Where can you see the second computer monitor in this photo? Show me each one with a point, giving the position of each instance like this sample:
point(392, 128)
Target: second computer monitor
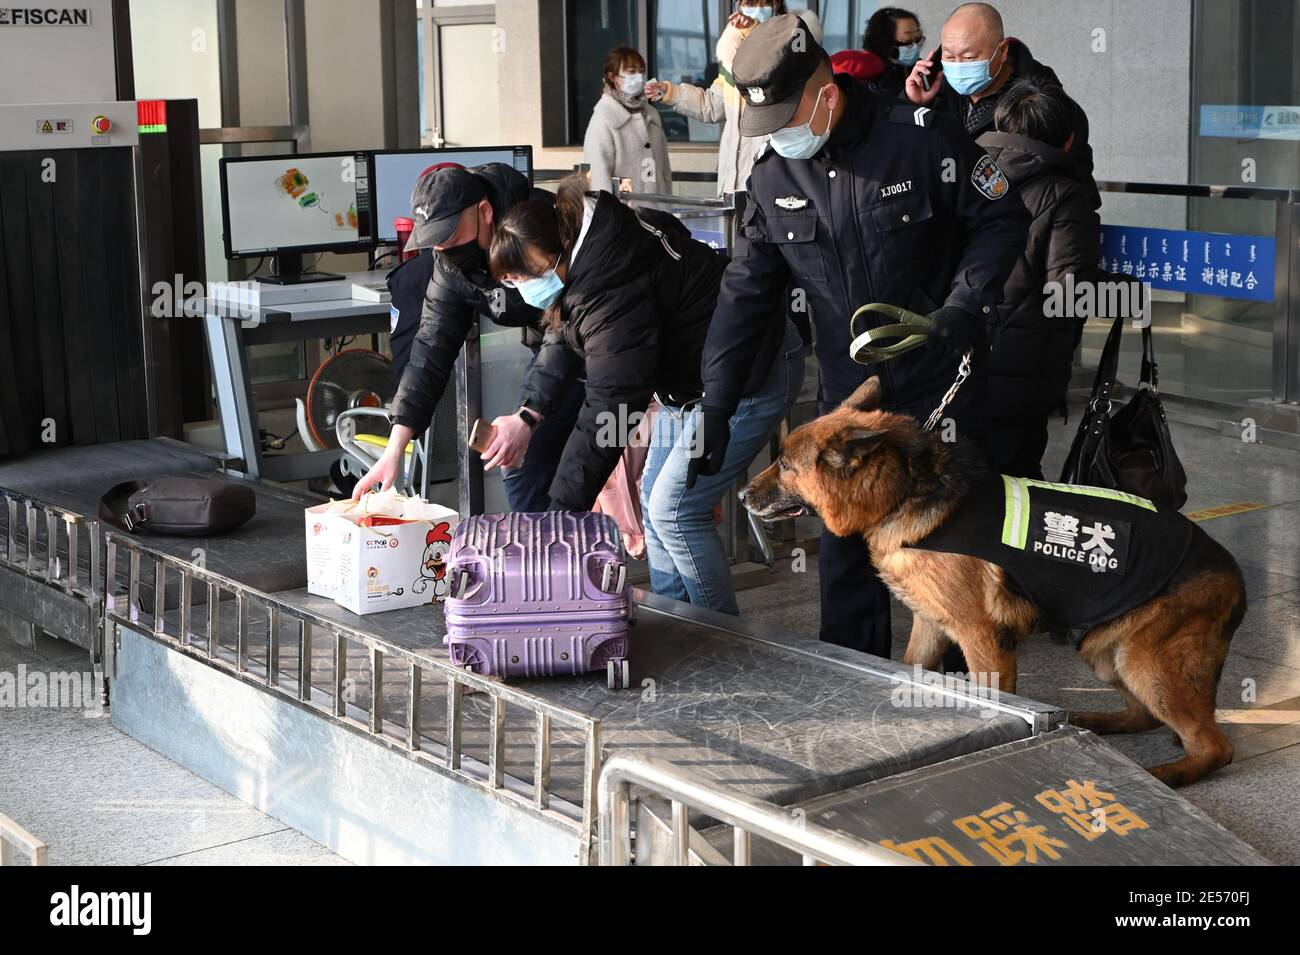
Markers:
point(393, 174)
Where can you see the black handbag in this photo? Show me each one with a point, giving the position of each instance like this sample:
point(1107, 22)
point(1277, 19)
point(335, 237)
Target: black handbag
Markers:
point(1131, 451)
point(180, 505)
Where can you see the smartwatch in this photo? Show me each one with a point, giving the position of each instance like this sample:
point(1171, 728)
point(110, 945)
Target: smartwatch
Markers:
point(528, 417)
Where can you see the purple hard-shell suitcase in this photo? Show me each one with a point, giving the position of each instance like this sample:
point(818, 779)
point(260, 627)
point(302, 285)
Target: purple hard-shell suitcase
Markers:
point(539, 595)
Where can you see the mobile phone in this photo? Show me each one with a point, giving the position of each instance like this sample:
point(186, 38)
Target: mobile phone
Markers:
point(927, 79)
point(481, 435)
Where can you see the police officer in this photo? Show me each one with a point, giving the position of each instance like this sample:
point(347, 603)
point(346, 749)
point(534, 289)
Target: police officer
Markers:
point(857, 199)
point(454, 210)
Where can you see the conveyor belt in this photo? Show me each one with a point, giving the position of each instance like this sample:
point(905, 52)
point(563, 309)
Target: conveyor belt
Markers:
point(776, 717)
point(266, 553)
point(42, 473)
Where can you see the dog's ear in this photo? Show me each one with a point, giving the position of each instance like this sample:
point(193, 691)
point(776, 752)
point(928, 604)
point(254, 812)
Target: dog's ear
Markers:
point(848, 449)
point(866, 398)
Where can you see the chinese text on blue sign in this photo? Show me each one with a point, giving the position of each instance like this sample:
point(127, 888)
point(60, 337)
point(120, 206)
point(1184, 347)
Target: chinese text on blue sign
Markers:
point(1203, 263)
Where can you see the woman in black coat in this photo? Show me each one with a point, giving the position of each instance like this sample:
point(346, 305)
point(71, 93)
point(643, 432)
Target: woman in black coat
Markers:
point(628, 297)
point(1034, 331)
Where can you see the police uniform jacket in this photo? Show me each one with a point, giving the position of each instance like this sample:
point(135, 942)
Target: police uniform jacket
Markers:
point(900, 207)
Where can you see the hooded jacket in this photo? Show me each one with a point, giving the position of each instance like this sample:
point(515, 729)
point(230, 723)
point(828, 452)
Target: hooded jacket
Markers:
point(635, 310)
point(452, 301)
point(1030, 353)
point(977, 115)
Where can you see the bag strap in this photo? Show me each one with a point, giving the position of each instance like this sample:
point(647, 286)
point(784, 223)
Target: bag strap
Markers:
point(1103, 386)
point(1150, 370)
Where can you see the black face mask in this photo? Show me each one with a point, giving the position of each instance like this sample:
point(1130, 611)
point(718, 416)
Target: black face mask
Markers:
point(467, 257)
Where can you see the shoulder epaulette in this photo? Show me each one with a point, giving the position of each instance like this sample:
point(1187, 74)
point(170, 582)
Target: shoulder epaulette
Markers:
point(909, 114)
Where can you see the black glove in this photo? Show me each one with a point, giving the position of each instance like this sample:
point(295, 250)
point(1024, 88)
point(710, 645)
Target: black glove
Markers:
point(709, 446)
point(953, 330)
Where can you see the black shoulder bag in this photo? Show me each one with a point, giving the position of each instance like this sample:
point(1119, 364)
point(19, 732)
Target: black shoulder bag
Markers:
point(1131, 451)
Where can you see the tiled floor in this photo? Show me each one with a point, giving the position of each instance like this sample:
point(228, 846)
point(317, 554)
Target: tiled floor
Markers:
point(95, 796)
point(1259, 695)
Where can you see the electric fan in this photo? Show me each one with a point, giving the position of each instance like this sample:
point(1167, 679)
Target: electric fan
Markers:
point(357, 378)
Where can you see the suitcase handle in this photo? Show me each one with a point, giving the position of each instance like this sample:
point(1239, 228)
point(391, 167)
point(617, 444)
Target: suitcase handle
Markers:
point(613, 575)
point(467, 578)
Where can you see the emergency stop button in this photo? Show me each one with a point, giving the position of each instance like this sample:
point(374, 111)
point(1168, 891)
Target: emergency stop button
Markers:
point(101, 124)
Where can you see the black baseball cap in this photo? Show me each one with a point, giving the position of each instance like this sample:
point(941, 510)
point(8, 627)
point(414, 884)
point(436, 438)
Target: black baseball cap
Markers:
point(770, 70)
point(438, 199)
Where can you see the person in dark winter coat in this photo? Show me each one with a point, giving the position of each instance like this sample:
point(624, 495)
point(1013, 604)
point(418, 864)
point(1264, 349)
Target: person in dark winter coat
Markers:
point(628, 297)
point(455, 210)
point(894, 35)
point(979, 62)
point(1031, 347)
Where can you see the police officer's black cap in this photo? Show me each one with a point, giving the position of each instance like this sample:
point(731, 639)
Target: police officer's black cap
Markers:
point(770, 70)
point(438, 199)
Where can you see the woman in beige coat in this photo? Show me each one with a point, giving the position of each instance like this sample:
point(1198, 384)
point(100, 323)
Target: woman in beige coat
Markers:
point(625, 137)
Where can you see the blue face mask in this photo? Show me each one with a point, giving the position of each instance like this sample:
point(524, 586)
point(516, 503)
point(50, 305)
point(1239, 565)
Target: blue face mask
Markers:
point(757, 13)
point(542, 291)
point(800, 142)
point(967, 76)
point(908, 55)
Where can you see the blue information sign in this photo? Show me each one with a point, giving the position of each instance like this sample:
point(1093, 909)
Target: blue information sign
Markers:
point(1251, 122)
point(1202, 263)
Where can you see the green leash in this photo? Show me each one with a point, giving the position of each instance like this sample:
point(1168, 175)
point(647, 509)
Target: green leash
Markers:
point(908, 331)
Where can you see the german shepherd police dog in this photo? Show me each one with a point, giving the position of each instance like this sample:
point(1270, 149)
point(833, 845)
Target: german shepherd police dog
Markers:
point(869, 472)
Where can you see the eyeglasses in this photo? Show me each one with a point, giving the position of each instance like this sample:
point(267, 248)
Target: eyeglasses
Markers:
point(515, 282)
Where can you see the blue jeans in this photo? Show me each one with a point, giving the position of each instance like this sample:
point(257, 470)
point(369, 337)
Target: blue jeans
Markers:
point(687, 559)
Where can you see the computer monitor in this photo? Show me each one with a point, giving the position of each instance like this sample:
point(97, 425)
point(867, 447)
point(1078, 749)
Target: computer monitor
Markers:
point(285, 206)
point(393, 173)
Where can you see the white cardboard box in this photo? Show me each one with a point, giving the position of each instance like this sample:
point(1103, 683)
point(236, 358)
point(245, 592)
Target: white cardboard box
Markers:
point(322, 555)
point(385, 567)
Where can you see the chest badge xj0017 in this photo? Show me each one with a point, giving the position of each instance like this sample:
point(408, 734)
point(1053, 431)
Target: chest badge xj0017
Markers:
point(792, 202)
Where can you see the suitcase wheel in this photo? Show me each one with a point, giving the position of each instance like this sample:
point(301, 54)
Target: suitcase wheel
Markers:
point(618, 675)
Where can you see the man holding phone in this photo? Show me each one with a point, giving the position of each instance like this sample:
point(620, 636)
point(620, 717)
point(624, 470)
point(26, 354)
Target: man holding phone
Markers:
point(974, 63)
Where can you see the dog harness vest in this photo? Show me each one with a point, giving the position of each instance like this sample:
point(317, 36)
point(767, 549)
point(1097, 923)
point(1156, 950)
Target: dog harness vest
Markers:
point(1082, 555)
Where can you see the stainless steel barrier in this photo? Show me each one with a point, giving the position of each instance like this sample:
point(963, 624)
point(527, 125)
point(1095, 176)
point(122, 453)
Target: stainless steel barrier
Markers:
point(32, 544)
point(200, 640)
point(35, 550)
point(14, 836)
point(747, 817)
